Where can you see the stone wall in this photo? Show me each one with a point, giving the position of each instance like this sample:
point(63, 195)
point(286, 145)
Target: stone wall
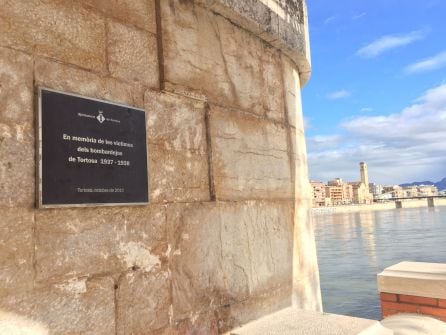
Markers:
point(226, 237)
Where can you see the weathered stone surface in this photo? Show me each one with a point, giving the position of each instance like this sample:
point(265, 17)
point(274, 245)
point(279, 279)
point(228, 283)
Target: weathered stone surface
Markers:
point(204, 52)
point(75, 307)
point(200, 324)
point(232, 316)
point(250, 157)
point(178, 161)
point(132, 54)
point(175, 122)
point(16, 249)
point(16, 129)
point(302, 187)
point(226, 252)
point(140, 13)
point(16, 78)
point(253, 69)
point(82, 242)
point(292, 93)
point(282, 23)
point(17, 167)
point(306, 286)
point(66, 78)
point(64, 30)
point(143, 303)
point(177, 176)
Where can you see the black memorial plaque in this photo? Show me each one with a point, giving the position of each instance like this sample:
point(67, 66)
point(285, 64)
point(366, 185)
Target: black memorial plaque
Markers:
point(92, 152)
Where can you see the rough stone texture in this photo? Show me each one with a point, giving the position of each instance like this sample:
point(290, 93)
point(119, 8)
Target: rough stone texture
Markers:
point(132, 54)
point(143, 303)
point(302, 187)
point(62, 29)
point(84, 242)
point(224, 253)
point(283, 23)
point(70, 79)
point(293, 97)
point(250, 157)
point(177, 176)
point(205, 53)
point(75, 307)
point(17, 167)
point(178, 161)
point(140, 13)
point(16, 129)
point(235, 315)
point(16, 249)
point(200, 324)
point(16, 78)
point(306, 285)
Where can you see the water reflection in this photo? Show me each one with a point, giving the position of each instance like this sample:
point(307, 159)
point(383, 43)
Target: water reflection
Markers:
point(354, 247)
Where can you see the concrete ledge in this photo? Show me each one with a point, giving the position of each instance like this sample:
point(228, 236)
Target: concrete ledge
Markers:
point(410, 324)
point(292, 321)
point(416, 279)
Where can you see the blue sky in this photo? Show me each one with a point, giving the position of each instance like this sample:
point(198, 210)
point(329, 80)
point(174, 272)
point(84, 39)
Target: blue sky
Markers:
point(378, 90)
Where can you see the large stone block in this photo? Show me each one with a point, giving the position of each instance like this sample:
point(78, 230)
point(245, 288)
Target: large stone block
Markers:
point(16, 78)
point(207, 54)
point(132, 54)
point(177, 176)
point(250, 157)
point(16, 249)
point(70, 79)
point(63, 30)
point(82, 242)
point(227, 252)
point(254, 70)
point(140, 13)
point(17, 167)
point(143, 303)
point(176, 122)
point(75, 307)
point(178, 160)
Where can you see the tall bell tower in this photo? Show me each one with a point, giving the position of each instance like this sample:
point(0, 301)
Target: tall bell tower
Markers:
point(364, 174)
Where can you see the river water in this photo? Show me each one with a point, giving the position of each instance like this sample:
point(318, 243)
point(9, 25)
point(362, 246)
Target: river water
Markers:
point(354, 247)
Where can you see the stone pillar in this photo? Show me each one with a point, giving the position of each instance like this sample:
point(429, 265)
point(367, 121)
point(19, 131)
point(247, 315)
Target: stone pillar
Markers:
point(430, 202)
point(220, 82)
point(412, 287)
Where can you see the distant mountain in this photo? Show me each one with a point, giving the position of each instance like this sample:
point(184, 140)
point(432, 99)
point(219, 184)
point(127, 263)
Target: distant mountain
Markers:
point(441, 185)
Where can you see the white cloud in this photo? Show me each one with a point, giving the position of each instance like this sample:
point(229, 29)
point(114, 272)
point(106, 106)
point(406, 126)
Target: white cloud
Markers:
point(329, 19)
point(366, 109)
point(400, 147)
point(358, 16)
point(389, 42)
point(433, 63)
point(336, 95)
point(323, 142)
